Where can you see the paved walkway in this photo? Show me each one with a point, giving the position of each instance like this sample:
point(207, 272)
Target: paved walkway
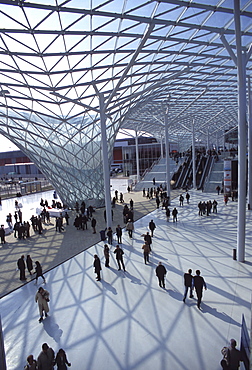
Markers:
point(52, 248)
point(126, 321)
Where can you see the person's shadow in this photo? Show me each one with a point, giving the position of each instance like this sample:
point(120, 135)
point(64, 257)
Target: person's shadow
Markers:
point(108, 286)
point(52, 328)
point(220, 315)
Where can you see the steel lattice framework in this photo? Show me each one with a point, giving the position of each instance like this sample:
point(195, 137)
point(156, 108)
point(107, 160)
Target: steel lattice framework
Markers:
point(145, 57)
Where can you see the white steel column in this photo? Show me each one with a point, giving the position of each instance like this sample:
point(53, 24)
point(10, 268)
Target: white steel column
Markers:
point(167, 156)
point(193, 155)
point(161, 147)
point(137, 157)
point(208, 140)
point(249, 145)
point(106, 172)
point(242, 143)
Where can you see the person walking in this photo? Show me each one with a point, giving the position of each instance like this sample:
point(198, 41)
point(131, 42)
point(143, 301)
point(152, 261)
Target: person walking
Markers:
point(152, 227)
point(2, 234)
point(67, 218)
point(157, 201)
point(39, 272)
point(168, 213)
point(119, 257)
point(119, 234)
point(21, 267)
point(42, 297)
point(110, 236)
point(146, 252)
point(181, 200)
point(188, 283)
point(131, 203)
point(175, 214)
point(215, 203)
point(187, 197)
point(93, 225)
point(61, 360)
point(148, 239)
point(130, 227)
point(46, 358)
point(29, 264)
point(97, 267)
point(106, 254)
point(160, 273)
point(198, 284)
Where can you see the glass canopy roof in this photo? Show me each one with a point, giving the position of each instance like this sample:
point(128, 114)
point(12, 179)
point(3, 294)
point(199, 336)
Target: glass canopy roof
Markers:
point(148, 59)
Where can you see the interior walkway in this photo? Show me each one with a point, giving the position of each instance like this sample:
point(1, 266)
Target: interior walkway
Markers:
point(52, 248)
point(126, 321)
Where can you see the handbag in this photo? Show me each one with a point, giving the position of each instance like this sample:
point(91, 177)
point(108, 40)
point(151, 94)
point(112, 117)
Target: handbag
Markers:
point(226, 357)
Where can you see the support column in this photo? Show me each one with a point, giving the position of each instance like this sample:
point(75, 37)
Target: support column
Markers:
point(242, 142)
point(2, 352)
point(167, 156)
point(249, 145)
point(161, 147)
point(208, 140)
point(137, 158)
point(193, 155)
point(106, 172)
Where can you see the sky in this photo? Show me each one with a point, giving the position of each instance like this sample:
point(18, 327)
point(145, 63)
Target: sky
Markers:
point(7, 146)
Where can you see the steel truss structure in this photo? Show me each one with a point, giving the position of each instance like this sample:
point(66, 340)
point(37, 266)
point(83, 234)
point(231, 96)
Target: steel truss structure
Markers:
point(145, 58)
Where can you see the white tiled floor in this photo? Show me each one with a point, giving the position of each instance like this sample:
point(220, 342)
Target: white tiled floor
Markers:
point(126, 321)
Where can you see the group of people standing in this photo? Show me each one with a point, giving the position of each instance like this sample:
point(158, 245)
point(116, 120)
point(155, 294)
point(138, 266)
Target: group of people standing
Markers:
point(22, 265)
point(47, 360)
point(206, 208)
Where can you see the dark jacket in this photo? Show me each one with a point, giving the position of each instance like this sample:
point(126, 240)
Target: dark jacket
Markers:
point(188, 279)
point(97, 264)
point(198, 282)
point(119, 253)
point(160, 271)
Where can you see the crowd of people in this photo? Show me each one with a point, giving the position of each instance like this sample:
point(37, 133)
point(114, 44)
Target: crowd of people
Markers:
point(47, 360)
point(23, 264)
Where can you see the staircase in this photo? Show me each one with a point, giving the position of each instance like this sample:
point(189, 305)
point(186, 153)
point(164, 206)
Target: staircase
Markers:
point(158, 171)
point(216, 177)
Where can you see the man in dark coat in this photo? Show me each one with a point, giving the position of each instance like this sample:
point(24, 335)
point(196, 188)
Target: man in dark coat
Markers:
point(97, 267)
point(175, 214)
point(119, 234)
point(93, 224)
point(199, 283)
point(2, 234)
point(146, 252)
point(188, 282)
point(161, 272)
point(152, 227)
point(21, 267)
point(119, 257)
point(29, 264)
point(147, 239)
point(46, 358)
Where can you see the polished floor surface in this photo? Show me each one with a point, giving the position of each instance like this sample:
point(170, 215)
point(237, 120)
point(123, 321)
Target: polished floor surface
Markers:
point(126, 321)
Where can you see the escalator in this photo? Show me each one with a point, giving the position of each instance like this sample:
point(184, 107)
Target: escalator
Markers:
point(183, 178)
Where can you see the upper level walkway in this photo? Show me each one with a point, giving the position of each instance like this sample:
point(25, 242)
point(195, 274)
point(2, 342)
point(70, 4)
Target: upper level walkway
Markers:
point(126, 321)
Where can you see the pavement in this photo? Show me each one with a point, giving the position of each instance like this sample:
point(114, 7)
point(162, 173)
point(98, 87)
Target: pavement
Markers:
point(126, 321)
point(52, 248)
